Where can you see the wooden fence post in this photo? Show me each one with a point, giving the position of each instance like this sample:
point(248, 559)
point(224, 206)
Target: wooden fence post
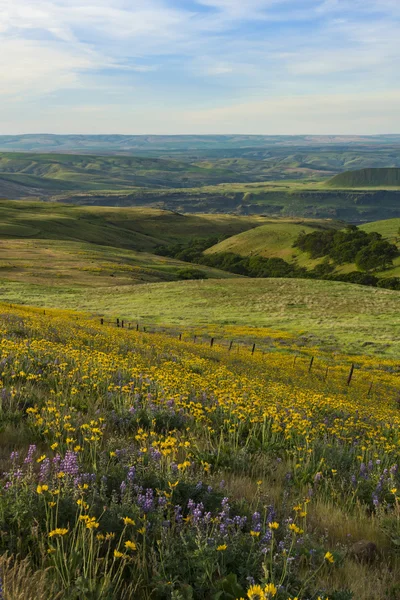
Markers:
point(311, 364)
point(370, 388)
point(253, 349)
point(350, 374)
point(101, 321)
point(117, 322)
point(122, 324)
point(180, 337)
point(294, 360)
point(230, 346)
point(211, 342)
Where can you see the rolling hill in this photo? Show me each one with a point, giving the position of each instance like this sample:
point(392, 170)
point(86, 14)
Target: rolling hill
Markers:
point(285, 183)
point(141, 229)
point(273, 240)
point(367, 178)
point(74, 247)
point(276, 238)
point(54, 173)
point(176, 144)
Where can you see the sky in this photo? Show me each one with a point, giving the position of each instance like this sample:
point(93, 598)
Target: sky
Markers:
point(200, 66)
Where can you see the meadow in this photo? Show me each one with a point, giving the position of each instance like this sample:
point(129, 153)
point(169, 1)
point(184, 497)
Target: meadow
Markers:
point(141, 465)
point(339, 316)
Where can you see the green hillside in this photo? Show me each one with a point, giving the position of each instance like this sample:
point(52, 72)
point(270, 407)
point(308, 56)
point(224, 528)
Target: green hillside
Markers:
point(273, 240)
point(337, 315)
point(140, 229)
point(276, 238)
point(284, 183)
point(88, 267)
point(390, 229)
point(52, 173)
point(367, 178)
point(66, 246)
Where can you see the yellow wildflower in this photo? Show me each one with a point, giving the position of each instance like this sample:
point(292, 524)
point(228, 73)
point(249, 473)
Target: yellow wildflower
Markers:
point(329, 557)
point(58, 531)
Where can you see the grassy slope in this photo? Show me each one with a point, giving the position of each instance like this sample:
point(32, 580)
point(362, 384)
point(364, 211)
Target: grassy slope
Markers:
point(134, 228)
point(275, 239)
point(336, 315)
point(367, 178)
point(86, 267)
point(58, 172)
point(389, 229)
point(67, 246)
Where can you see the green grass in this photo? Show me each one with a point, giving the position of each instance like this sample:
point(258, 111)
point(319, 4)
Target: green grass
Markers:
point(273, 240)
point(89, 247)
point(134, 228)
point(390, 229)
point(334, 315)
point(276, 238)
point(367, 178)
point(87, 267)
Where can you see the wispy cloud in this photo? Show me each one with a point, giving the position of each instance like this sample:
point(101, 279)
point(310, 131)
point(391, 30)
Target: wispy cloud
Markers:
point(194, 53)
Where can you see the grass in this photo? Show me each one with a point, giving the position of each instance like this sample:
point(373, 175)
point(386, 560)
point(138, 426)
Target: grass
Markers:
point(276, 238)
point(133, 228)
point(367, 178)
point(339, 316)
point(57, 172)
point(273, 240)
point(62, 264)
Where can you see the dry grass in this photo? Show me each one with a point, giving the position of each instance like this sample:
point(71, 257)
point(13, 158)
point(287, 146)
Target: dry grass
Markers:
point(20, 582)
point(344, 528)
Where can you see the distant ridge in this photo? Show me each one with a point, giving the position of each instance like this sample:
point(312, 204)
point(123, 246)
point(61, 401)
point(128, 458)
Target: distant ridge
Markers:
point(366, 178)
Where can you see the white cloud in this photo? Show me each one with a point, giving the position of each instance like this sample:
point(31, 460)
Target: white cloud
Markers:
point(40, 68)
point(100, 46)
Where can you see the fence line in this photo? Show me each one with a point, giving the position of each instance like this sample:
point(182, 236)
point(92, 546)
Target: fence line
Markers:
point(212, 342)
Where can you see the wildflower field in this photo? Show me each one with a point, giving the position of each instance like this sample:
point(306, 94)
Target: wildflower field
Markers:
point(143, 466)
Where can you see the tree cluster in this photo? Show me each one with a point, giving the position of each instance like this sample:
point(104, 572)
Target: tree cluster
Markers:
point(369, 251)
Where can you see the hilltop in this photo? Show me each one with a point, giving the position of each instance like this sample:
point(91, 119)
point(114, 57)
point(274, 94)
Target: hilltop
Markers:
point(366, 178)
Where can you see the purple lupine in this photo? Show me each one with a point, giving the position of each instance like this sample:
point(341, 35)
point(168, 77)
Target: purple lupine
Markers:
point(44, 469)
point(155, 454)
point(256, 521)
point(131, 474)
point(69, 465)
point(29, 457)
point(178, 513)
point(146, 501)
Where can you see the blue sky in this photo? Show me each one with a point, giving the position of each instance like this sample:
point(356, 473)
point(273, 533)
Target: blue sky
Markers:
point(205, 66)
